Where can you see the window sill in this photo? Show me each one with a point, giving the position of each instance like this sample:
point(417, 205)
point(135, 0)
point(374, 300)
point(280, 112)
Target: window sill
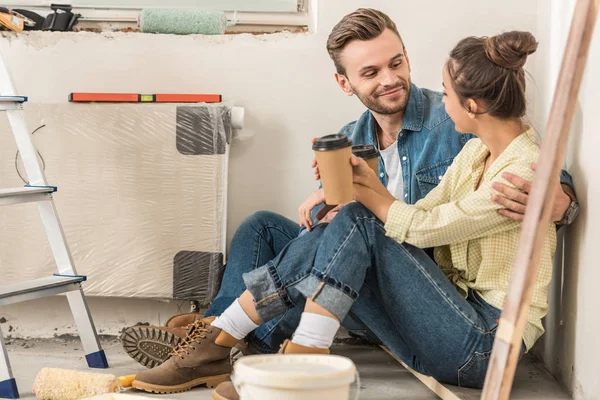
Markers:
point(126, 20)
point(132, 27)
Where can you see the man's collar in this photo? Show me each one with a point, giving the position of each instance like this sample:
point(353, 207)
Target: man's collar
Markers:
point(414, 114)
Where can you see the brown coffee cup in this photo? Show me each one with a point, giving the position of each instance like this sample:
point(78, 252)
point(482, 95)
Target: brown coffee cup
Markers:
point(333, 153)
point(369, 153)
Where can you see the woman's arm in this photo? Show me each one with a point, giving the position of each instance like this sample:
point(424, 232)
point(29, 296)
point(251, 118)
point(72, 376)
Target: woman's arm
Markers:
point(369, 191)
point(473, 216)
point(434, 220)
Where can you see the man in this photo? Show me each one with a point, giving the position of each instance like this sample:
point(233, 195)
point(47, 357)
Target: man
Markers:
point(417, 143)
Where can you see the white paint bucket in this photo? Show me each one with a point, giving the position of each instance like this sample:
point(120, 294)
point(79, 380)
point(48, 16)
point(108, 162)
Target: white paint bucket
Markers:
point(294, 377)
point(121, 396)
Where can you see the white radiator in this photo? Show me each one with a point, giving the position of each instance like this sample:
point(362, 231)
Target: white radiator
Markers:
point(142, 192)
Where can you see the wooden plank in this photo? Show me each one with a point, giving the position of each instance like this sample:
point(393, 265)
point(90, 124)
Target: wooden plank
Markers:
point(428, 381)
point(507, 344)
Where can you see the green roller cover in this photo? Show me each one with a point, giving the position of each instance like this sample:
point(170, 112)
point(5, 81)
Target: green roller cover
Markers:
point(183, 21)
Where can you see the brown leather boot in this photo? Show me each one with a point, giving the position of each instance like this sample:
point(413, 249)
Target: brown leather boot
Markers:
point(202, 358)
point(151, 345)
point(179, 320)
point(292, 348)
point(226, 390)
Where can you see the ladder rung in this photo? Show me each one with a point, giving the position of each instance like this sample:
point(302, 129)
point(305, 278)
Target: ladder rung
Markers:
point(22, 291)
point(13, 99)
point(12, 102)
point(26, 190)
point(25, 195)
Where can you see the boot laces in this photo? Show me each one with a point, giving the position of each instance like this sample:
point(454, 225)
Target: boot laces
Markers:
point(196, 332)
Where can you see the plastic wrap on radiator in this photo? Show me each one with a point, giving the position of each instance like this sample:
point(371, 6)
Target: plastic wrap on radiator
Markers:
point(142, 192)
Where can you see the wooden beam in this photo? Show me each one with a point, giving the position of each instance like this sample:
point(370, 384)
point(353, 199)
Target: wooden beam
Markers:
point(507, 344)
point(436, 387)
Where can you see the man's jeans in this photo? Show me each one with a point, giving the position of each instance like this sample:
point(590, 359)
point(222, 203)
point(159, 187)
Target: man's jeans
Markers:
point(259, 239)
point(395, 289)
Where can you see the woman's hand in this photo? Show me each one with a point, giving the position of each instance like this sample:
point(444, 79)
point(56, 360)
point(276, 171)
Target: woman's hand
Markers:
point(363, 175)
point(368, 189)
point(316, 198)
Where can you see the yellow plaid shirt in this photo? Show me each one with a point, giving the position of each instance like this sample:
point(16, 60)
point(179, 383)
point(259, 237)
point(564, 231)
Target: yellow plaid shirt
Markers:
point(474, 245)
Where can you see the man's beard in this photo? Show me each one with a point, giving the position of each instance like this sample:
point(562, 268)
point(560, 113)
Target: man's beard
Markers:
point(373, 102)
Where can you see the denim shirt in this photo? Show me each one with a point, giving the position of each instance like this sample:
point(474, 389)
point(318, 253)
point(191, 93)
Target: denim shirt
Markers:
point(427, 143)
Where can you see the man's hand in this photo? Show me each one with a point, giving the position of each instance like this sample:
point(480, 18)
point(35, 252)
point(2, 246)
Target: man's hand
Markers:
point(314, 164)
point(328, 213)
point(515, 201)
point(317, 197)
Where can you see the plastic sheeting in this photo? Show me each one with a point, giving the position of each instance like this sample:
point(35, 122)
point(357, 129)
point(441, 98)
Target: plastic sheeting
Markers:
point(142, 192)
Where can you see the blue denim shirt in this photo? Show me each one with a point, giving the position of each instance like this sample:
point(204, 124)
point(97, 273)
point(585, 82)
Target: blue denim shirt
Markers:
point(427, 143)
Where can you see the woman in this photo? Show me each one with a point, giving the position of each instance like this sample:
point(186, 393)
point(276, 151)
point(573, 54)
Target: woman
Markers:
point(439, 316)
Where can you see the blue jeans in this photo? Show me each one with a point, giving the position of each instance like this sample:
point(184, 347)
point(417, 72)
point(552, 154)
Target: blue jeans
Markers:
point(259, 239)
point(395, 289)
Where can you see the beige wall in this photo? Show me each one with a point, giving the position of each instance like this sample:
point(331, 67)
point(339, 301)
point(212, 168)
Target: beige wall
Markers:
point(571, 347)
point(285, 82)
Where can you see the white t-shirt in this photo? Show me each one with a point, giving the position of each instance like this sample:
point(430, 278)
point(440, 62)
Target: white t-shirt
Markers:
point(391, 160)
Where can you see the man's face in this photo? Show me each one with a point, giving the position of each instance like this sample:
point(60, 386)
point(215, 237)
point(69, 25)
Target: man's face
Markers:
point(378, 72)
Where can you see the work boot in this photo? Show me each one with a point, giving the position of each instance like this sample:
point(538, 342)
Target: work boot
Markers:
point(151, 345)
point(288, 347)
point(226, 390)
point(179, 320)
point(201, 358)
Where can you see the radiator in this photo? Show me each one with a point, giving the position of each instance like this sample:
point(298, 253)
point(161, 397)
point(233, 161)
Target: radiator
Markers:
point(142, 194)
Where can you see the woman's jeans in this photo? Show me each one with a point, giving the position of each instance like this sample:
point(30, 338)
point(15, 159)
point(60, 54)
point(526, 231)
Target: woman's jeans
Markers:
point(396, 290)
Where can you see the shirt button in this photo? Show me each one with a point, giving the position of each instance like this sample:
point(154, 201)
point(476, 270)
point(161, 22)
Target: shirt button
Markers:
point(404, 158)
point(405, 195)
point(381, 174)
point(441, 176)
point(400, 134)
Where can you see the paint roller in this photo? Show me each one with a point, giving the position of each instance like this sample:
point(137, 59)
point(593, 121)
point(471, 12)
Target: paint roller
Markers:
point(182, 21)
point(64, 384)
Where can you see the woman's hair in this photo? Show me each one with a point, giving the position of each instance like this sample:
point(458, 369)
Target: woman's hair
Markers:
point(490, 70)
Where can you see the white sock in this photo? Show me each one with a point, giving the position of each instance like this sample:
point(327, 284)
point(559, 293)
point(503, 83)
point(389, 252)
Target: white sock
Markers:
point(316, 331)
point(235, 321)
